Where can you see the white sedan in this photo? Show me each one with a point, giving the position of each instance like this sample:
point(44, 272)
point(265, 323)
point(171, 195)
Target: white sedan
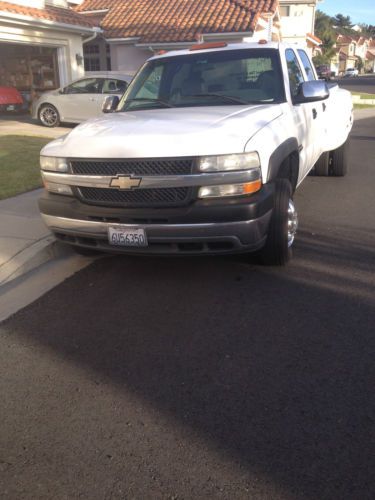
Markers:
point(351, 72)
point(80, 100)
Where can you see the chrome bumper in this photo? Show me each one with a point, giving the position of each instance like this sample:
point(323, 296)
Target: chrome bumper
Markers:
point(224, 237)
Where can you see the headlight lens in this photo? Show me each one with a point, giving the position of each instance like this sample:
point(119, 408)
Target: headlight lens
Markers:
point(242, 161)
point(54, 164)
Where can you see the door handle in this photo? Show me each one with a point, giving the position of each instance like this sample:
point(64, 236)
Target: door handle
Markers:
point(324, 106)
point(314, 113)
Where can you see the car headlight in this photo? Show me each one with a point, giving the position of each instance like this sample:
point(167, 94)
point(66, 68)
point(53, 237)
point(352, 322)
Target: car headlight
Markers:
point(242, 161)
point(54, 164)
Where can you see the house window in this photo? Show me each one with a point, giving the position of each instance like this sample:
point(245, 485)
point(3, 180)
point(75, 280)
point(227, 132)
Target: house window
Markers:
point(91, 55)
point(284, 10)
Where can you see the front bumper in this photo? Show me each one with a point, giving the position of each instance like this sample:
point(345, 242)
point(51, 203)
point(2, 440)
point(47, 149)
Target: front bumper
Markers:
point(205, 227)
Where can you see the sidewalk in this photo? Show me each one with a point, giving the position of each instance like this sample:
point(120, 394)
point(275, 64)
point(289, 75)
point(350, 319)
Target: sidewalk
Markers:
point(25, 241)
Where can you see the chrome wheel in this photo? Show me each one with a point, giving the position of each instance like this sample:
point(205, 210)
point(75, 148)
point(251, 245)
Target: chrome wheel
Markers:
point(292, 222)
point(49, 116)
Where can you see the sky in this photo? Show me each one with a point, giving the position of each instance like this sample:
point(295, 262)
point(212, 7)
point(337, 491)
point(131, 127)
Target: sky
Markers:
point(360, 11)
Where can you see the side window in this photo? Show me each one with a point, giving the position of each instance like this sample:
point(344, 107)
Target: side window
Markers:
point(114, 86)
point(86, 86)
point(306, 64)
point(294, 70)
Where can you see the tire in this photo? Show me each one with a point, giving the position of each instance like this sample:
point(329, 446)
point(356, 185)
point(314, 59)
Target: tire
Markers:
point(48, 115)
point(321, 167)
point(283, 226)
point(340, 160)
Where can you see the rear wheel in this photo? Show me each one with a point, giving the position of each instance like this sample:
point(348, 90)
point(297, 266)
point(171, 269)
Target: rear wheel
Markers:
point(49, 116)
point(283, 226)
point(340, 158)
point(321, 167)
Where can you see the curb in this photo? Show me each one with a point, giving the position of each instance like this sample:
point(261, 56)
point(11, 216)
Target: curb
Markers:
point(31, 257)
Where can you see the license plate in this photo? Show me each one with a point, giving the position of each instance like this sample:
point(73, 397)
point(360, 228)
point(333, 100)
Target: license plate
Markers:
point(11, 107)
point(124, 237)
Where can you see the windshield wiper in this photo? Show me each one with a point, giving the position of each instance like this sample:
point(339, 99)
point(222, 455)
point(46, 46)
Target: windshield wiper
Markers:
point(222, 96)
point(149, 99)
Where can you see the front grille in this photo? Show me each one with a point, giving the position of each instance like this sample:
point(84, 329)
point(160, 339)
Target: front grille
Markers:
point(146, 167)
point(166, 197)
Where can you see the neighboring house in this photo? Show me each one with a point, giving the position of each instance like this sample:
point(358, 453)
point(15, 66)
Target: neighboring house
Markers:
point(370, 57)
point(134, 30)
point(297, 23)
point(41, 44)
point(350, 50)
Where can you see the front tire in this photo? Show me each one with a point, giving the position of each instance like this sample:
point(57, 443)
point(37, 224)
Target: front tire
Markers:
point(49, 116)
point(283, 226)
point(340, 160)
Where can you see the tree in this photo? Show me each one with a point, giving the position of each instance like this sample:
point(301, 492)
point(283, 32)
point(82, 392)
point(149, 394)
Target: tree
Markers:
point(325, 31)
point(341, 21)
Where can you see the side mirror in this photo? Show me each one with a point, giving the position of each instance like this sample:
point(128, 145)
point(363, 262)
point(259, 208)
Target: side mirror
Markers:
point(110, 103)
point(62, 91)
point(315, 90)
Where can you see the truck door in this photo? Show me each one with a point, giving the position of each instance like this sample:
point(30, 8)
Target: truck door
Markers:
point(306, 117)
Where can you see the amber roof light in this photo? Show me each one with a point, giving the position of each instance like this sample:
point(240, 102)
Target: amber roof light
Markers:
point(209, 45)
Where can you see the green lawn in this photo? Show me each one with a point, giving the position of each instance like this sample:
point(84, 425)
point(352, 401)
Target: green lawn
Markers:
point(364, 95)
point(19, 164)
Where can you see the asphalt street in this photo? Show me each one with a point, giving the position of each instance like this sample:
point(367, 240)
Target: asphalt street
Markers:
point(364, 84)
point(208, 378)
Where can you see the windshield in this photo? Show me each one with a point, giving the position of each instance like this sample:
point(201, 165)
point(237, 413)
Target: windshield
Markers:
point(227, 77)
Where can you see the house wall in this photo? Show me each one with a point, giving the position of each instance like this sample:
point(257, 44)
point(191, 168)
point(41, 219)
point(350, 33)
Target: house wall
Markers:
point(68, 45)
point(299, 22)
point(128, 58)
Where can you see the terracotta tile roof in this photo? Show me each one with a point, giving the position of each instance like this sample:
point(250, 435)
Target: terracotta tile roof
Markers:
point(177, 20)
point(315, 38)
point(56, 14)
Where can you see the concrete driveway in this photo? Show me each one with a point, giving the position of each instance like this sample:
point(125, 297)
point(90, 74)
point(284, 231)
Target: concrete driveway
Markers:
point(25, 125)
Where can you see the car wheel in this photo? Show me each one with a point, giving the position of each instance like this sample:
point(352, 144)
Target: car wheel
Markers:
point(321, 167)
point(340, 160)
point(277, 250)
point(49, 116)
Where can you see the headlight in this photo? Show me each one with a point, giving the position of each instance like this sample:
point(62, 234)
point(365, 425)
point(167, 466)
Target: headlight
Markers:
point(54, 164)
point(242, 161)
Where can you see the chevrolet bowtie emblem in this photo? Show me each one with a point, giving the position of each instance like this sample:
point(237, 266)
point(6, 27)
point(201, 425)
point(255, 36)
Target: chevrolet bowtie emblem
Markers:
point(125, 182)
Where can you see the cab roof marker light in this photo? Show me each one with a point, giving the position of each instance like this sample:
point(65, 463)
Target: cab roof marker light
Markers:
point(208, 45)
point(262, 42)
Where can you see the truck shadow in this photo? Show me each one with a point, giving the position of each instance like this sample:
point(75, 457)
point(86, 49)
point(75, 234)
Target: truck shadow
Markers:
point(270, 366)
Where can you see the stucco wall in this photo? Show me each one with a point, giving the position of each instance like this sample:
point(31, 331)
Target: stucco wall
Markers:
point(299, 22)
point(128, 58)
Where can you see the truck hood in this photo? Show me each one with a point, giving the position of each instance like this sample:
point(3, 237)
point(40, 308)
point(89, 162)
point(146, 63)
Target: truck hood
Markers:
point(165, 132)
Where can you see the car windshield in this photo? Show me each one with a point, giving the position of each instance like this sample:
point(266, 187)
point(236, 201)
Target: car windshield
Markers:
point(226, 77)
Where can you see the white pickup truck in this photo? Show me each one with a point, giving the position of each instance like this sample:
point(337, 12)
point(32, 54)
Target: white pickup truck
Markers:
point(201, 155)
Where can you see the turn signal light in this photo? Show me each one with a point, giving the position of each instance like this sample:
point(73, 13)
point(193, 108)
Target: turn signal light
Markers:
point(230, 190)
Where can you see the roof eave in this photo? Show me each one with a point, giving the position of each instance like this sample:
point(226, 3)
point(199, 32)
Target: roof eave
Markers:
point(180, 44)
point(45, 23)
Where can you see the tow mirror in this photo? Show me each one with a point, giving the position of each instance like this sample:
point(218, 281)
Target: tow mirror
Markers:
point(315, 90)
point(110, 103)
